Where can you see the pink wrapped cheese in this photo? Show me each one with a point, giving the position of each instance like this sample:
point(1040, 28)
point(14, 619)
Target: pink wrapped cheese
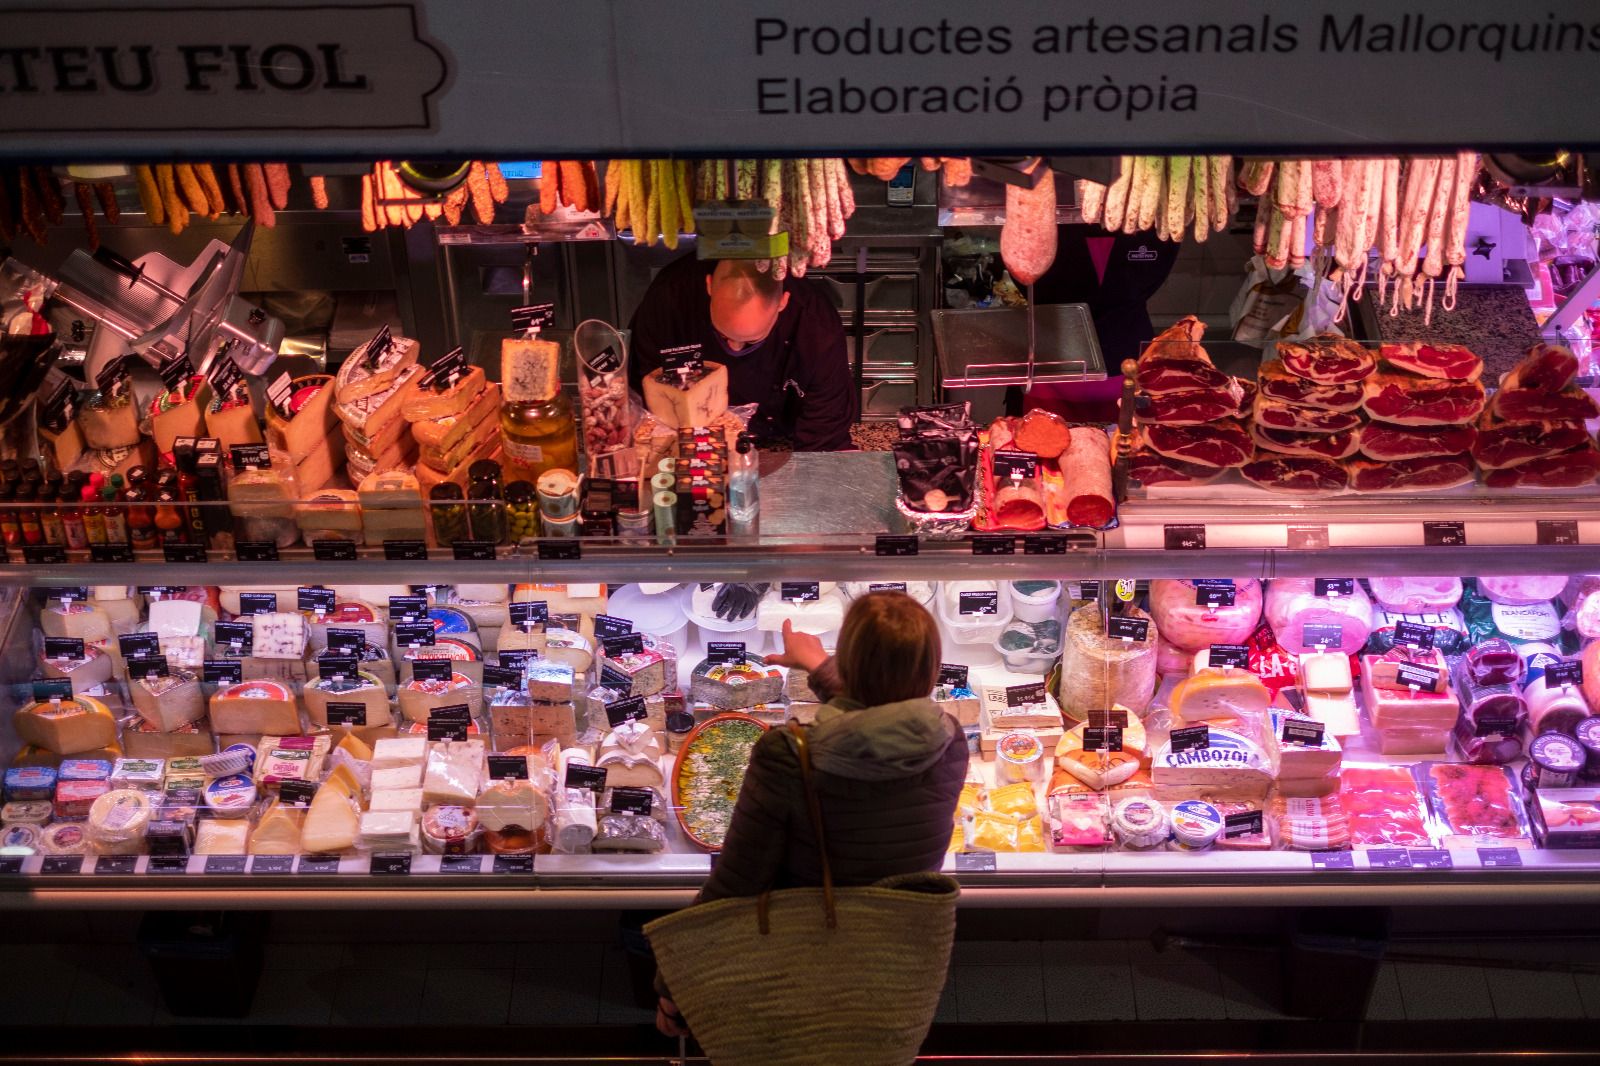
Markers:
point(1190, 624)
point(1292, 604)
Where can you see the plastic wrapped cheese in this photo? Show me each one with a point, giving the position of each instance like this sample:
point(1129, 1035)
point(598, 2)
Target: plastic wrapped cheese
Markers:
point(1582, 596)
point(1187, 623)
point(1099, 671)
point(454, 772)
point(1292, 604)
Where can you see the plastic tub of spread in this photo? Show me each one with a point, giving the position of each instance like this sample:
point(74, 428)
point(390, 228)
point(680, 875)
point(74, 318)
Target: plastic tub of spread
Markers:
point(974, 612)
point(1035, 601)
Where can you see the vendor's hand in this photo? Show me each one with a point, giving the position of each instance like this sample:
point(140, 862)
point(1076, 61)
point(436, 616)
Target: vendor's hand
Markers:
point(736, 600)
point(800, 650)
point(668, 1021)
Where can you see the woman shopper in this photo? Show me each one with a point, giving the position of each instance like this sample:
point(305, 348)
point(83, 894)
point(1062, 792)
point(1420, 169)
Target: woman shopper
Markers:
point(886, 766)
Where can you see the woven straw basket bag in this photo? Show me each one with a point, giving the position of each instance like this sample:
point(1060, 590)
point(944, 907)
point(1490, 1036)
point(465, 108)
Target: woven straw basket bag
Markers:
point(812, 975)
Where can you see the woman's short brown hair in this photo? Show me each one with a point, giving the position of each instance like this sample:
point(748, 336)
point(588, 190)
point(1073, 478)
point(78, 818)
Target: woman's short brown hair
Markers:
point(888, 650)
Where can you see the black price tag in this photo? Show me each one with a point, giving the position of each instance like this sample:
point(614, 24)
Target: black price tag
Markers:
point(113, 375)
point(627, 644)
point(1025, 695)
point(237, 637)
point(141, 668)
point(466, 551)
point(272, 864)
point(405, 551)
point(316, 600)
point(63, 648)
point(1109, 717)
point(110, 553)
point(297, 793)
point(800, 591)
point(1431, 859)
point(10, 865)
point(994, 544)
point(533, 316)
point(167, 864)
point(54, 688)
point(607, 626)
point(1044, 544)
point(446, 370)
point(317, 864)
point(1184, 538)
point(1102, 738)
point(407, 608)
point(517, 658)
point(1332, 860)
point(895, 545)
point(378, 347)
point(250, 457)
point(508, 768)
point(175, 369)
point(1414, 635)
point(432, 669)
point(550, 551)
point(393, 864)
point(461, 864)
point(258, 602)
point(512, 864)
point(1226, 655)
point(1245, 823)
point(1324, 634)
point(975, 862)
point(1018, 465)
point(580, 776)
point(953, 675)
point(414, 634)
point(1214, 592)
point(346, 641)
point(1421, 678)
point(255, 551)
point(45, 554)
point(1191, 738)
point(225, 864)
point(1120, 627)
point(184, 553)
point(62, 864)
point(222, 671)
point(725, 651)
point(449, 723)
point(681, 357)
point(494, 676)
point(336, 667)
point(1566, 672)
point(1388, 859)
point(1333, 587)
point(530, 615)
point(1499, 858)
point(627, 800)
point(1444, 534)
point(139, 644)
point(116, 864)
point(1553, 531)
point(347, 713)
point(1492, 725)
point(1306, 731)
point(333, 551)
point(978, 603)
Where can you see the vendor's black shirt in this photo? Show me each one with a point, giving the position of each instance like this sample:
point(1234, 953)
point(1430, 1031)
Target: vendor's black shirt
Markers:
point(800, 375)
point(1115, 274)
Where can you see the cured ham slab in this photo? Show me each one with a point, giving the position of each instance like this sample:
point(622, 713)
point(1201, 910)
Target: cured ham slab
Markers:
point(1300, 419)
point(1382, 441)
point(1329, 359)
point(1222, 444)
point(1280, 386)
point(1409, 400)
point(1451, 362)
point(1426, 474)
point(1297, 474)
point(1564, 471)
point(1287, 442)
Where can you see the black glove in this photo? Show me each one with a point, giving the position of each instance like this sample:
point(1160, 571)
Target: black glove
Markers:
point(738, 600)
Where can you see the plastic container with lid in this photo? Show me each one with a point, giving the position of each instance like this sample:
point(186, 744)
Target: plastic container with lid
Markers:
point(21, 838)
point(64, 838)
point(1196, 824)
point(1140, 823)
point(1019, 756)
point(1035, 601)
point(1554, 761)
point(450, 830)
point(1587, 734)
point(966, 614)
point(231, 797)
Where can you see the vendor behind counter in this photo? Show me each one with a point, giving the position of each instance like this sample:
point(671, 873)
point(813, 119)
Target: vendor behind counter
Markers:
point(782, 342)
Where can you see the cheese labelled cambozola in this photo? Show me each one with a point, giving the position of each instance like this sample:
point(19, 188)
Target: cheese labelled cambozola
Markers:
point(1230, 765)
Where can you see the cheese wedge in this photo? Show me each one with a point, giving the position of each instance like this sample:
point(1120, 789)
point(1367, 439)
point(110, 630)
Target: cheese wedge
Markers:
point(332, 824)
point(427, 404)
point(441, 434)
point(185, 418)
point(428, 477)
point(170, 701)
point(418, 699)
point(367, 692)
point(1226, 698)
point(312, 421)
point(375, 417)
point(255, 707)
point(356, 748)
point(357, 378)
point(698, 404)
point(443, 460)
point(233, 424)
point(278, 831)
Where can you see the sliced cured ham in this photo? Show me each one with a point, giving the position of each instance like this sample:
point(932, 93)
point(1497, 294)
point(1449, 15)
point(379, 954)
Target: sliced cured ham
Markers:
point(1165, 374)
point(1564, 471)
point(1224, 443)
point(1297, 419)
point(1288, 442)
point(1277, 384)
point(1190, 407)
point(1329, 359)
point(1428, 474)
point(1502, 444)
point(1297, 474)
point(1532, 405)
point(1451, 362)
point(1380, 440)
point(1546, 367)
point(1409, 400)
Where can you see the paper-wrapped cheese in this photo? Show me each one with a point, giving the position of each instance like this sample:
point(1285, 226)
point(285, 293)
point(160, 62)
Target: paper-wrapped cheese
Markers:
point(454, 772)
point(1099, 671)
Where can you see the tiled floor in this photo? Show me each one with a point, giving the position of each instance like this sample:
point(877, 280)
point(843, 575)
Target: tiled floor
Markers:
point(587, 983)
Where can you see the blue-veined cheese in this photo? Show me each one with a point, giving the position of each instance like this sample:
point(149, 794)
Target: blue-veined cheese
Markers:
point(1231, 765)
point(279, 635)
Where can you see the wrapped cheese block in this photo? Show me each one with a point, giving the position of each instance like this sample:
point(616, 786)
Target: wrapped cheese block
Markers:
point(1303, 768)
point(109, 421)
point(1103, 769)
point(169, 701)
point(92, 668)
point(733, 686)
point(631, 756)
point(1189, 624)
point(1409, 719)
point(222, 836)
point(1230, 699)
point(640, 673)
point(1230, 765)
point(359, 701)
point(361, 617)
point(463, 657)
point(420, 698)
point(66, 727)
point(825, 614)
point(1099, 671)
point(1328, 685)
point(454, 772)
point(1292, 604)
point(255, 707)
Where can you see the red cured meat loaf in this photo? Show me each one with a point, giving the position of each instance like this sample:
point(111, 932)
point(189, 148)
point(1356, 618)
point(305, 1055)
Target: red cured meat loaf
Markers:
point(1224, 443)
point(1280, 386)
point(1452, 362)
point(1176, 375)
point(1408, 400)
point(1503, 444)
point(1190, 407)
point(1546, 368)
point(1427, 474)
point(1043, 433)
point(1287, 442)
point(1533, 405)
point(1299, 474)
point(1379, 440)
point(1298, 419)
point(1566, 470)
point(1329, 359)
